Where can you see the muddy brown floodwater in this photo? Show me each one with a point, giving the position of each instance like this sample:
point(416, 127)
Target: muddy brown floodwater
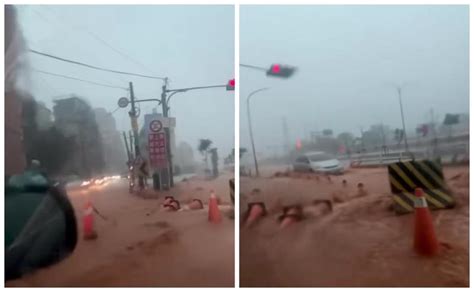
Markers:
point(361, 243)
point(140, 245)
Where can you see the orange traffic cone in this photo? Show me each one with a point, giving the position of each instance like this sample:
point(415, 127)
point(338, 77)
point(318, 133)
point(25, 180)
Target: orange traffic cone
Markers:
point(425, 241)
point(88, 221)
point(214, 212)
point(290, 216)
point(256, 210)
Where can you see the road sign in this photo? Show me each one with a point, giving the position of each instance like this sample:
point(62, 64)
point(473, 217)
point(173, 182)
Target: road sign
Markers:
point(157, 149)
point(123, 102)
point(156, 126)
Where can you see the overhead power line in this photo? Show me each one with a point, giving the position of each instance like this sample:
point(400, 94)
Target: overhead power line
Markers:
point(78, 79)
point(98, 38)
point(93, 67)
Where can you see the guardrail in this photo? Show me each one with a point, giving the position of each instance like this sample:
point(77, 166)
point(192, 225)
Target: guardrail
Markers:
point(379, 159)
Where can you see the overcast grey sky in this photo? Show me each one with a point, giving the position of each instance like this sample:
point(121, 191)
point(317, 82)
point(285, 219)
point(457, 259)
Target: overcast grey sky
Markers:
point(349, 58)
point(192, 45)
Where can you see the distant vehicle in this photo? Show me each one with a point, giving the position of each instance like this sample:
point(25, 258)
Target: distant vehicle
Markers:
point(319, 162)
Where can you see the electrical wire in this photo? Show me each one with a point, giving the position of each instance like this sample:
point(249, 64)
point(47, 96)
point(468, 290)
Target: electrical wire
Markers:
point(92, 66)
point(78, 79)
point(58, 23)
point(101, 40)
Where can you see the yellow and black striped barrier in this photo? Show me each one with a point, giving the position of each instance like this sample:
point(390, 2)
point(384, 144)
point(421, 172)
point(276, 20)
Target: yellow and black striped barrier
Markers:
point(426, 174)
point(232, 189)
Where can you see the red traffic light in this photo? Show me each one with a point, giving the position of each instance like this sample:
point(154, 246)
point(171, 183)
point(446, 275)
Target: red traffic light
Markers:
point(231, 85)
point(276, 68)
point(298, 144)
point(281, 71)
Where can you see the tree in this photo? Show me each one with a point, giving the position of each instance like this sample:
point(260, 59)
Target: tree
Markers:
point(203, 148)
point(185, 157)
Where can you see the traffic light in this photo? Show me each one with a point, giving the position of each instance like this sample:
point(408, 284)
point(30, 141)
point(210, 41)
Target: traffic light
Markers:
point(298, 144)
point(231, 85)
point(282, 71)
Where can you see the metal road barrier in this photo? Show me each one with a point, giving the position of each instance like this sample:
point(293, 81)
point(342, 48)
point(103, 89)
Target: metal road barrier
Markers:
point(375, 159)
point(405, 176)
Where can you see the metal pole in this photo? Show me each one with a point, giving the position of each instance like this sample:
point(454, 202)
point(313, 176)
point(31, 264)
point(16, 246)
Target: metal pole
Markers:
point(165, 109)
point(133, 118)
point(399, 89)
point(131, 143)
point(250, 128)
point(434, 136)
point(126, 146)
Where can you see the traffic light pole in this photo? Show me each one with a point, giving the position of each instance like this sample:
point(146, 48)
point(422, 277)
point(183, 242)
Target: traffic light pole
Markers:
point(165, 108)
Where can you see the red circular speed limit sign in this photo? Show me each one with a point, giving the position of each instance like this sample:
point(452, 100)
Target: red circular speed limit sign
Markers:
point(156, 126)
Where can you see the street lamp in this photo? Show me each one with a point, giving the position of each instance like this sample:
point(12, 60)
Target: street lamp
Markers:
point(250, 127)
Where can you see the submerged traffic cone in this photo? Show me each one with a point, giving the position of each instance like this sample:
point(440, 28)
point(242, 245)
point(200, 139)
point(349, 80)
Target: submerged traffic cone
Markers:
point(88, 221)
point(256, 210)
point(214, 212)
point(425, 241)
point(291, 215)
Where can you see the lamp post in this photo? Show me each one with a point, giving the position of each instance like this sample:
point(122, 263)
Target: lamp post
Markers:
point(250, 127)
point(399, 90)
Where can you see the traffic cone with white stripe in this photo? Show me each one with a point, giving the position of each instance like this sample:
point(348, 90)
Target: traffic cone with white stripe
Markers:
point(425, 241)
point(88, 221)
point(214, 215)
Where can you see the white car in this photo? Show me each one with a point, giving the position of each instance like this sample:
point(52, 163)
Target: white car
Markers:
point(319, 162)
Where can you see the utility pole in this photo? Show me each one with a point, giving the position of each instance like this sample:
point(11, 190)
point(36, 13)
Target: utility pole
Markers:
point(126, 146)
point(130, 135)
point(165, 109)
point(134, 122)
point(133, 119)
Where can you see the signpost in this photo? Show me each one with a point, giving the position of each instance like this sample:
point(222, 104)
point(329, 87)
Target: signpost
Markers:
point(157, 149)
point(123, 102)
